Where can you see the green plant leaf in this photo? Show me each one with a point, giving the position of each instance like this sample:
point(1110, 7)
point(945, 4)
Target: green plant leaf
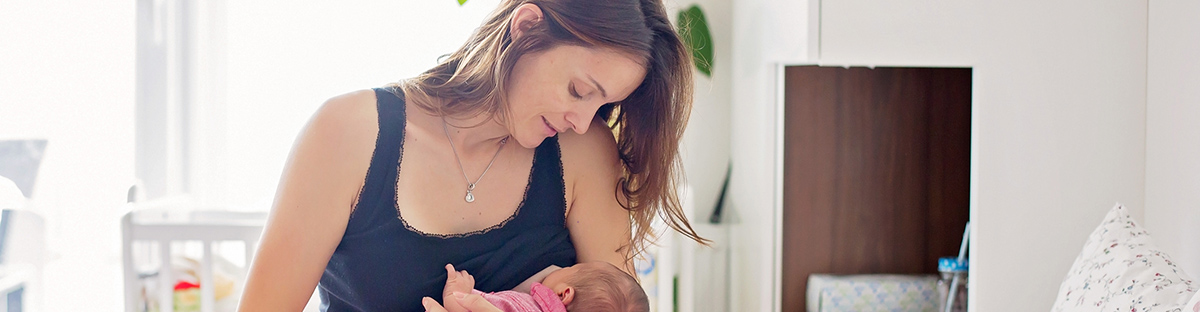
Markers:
point(693, 27)
point(460, 2)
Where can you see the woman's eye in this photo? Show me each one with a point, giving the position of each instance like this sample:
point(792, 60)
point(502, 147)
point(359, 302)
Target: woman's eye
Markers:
point(574, 93)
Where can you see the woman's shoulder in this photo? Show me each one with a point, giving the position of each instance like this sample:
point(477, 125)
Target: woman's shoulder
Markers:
point(590, 162)
point(590, 150)
point(347, 114)
point(344, 125)
point(353, 104)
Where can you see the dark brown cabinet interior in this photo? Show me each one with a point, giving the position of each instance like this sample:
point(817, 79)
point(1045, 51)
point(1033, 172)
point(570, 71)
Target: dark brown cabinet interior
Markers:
point(876, 171)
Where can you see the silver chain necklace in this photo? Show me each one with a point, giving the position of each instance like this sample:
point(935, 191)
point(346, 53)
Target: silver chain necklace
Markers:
point(471, 186)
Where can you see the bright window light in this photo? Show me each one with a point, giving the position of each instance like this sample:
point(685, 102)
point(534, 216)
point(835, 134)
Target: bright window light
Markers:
point(283, 60)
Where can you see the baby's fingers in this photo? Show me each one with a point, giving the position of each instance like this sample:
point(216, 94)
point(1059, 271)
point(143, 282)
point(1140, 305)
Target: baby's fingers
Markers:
point(451, 274)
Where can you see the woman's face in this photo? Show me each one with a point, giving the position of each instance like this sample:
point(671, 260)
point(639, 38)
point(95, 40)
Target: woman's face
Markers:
point(560, 89)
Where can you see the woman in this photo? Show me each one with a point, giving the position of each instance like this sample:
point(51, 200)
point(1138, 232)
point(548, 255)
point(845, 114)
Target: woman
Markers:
point(385, 187)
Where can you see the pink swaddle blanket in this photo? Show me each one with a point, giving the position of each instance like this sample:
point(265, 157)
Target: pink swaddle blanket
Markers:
point(539, 299)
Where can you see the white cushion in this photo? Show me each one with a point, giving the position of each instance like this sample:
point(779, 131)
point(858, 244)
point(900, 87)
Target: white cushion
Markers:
point(872, 292)
point(1193, 305)
point(1120, 269)
point(10, 195)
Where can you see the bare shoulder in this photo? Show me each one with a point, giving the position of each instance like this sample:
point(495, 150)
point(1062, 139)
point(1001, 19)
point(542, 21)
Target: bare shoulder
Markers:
point(341, 134)
point(350, 112)
point(600, 228)
point(337, 143)
point(591, 153)
point(591, 164)
point(345, 124)
point(313, 202)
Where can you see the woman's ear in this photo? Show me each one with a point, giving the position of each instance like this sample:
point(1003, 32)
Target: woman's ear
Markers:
point(523, 18)
point(567, 294)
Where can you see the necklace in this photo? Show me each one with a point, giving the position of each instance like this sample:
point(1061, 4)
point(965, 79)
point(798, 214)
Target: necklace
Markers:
point(470, 198)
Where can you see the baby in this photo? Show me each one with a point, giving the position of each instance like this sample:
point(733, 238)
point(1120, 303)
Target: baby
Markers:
point(591, 286)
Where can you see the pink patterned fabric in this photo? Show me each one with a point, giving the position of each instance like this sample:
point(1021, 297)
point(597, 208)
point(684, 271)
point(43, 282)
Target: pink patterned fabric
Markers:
point(546, 298)
point(542, 299)
point(1121, 269)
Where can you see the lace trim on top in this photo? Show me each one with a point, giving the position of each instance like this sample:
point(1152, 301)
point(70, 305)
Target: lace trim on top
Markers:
point(379, 119)
point(562, 176)
point(396, 201)
point(358, 197)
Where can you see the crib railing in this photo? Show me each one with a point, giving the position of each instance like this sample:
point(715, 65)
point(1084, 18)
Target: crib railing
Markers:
point(165, 225)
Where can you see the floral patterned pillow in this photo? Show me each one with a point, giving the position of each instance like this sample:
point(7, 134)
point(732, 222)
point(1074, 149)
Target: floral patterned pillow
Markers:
point(1120, 269)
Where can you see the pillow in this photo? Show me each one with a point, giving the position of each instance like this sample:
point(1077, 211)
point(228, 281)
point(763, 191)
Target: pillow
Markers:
point(10, 196)
point(1120, 269)
point(1193, 305)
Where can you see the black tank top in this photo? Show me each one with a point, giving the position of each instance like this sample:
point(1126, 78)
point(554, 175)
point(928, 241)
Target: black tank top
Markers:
point(381, 264)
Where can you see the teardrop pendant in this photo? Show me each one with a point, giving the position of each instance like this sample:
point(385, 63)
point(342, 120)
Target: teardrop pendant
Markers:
point(470, 196)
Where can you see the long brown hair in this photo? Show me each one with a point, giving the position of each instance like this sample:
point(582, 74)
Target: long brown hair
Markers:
point(648, 124)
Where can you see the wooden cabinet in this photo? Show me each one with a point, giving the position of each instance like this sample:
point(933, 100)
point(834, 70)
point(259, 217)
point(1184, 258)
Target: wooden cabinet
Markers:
point(876, 171)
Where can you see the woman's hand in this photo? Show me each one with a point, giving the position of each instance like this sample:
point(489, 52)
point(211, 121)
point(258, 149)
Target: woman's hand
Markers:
point(473, 303)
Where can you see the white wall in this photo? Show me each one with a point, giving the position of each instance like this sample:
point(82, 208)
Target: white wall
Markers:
point(1173, 131)
point(705, 154)
point(765, 32)
point(705, 146)
point(1059, 123)
point(1058, 120)
point(67, 75)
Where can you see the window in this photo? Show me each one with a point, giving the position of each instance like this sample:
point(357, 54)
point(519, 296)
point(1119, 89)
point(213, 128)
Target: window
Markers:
point(224, 87)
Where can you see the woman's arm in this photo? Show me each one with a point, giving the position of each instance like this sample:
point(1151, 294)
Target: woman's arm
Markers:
point(600, 228)
point(324, 172)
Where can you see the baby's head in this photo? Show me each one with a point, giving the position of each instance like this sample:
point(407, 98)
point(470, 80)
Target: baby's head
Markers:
point(597, 286)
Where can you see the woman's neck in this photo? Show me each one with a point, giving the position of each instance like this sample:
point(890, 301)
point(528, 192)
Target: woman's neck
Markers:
point(469, 133)
point(479, 133)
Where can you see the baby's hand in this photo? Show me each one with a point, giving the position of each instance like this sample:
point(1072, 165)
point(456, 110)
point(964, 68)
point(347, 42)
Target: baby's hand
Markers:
point(457, 281)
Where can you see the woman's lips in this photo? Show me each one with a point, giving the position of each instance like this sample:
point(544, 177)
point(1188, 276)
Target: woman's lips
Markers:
point(550, 131)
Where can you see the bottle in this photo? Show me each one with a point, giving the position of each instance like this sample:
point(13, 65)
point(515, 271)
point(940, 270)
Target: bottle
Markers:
point(952, 286)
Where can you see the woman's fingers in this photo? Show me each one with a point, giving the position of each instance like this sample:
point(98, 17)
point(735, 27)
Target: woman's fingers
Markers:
point(432, 305)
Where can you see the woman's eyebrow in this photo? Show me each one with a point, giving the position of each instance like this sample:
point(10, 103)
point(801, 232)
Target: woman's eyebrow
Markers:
point(598, 86)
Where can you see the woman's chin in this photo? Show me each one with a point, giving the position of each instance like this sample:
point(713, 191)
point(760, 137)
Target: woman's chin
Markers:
point(530, 143)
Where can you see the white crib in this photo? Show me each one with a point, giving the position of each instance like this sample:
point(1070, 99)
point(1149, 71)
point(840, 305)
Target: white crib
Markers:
point(161, 226)
point(24, 260)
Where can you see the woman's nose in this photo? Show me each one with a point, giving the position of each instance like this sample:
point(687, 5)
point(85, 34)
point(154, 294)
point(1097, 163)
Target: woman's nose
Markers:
point(580, 124)
point(581, 118)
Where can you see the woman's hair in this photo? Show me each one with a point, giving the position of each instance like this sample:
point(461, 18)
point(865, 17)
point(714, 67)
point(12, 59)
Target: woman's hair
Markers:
point(648, 124)
point(607, 289)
